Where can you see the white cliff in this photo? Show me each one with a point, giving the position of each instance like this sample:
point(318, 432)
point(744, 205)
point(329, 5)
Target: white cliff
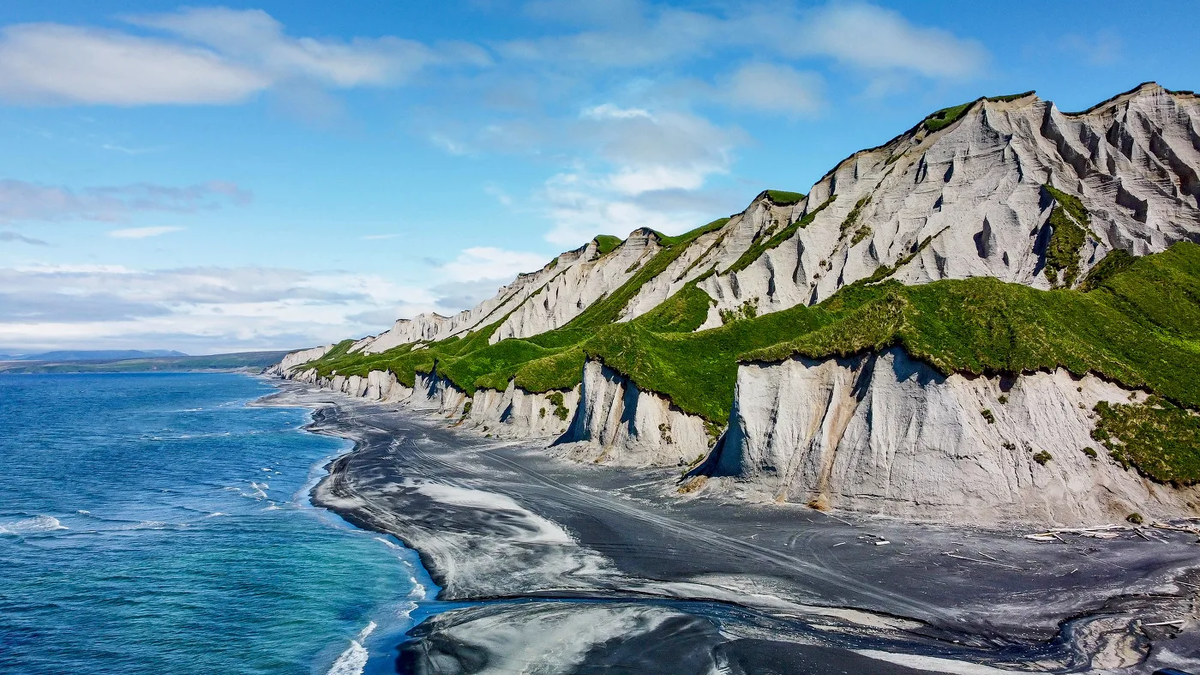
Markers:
point(973, 189)
point(886, 434)
point(878, 433)
point(619, 424)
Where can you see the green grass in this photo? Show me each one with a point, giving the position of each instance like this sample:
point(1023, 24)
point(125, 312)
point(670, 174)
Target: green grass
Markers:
point(784, 198)
point(761, 246)
point(1115, 262)
point(609, 308)
point(1069, 222)
point(851, 221)
point(1139, 326)
point(1158, 438)
point(947, 116)
point(606, 243)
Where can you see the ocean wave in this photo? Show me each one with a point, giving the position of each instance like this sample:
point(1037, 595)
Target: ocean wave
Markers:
point(354, 660)
point(34, 525)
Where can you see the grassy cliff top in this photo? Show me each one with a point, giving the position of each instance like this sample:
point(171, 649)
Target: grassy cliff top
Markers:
point(1139, 327)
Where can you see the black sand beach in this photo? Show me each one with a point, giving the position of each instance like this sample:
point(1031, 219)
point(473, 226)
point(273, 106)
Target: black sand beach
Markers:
point(552, 566)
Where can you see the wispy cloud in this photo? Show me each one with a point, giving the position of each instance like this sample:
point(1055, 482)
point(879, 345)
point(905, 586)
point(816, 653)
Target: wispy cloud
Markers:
point(14, 236)
point(24, 201)
point(142, 232)
point(378, 237)
point(489, 263)
point(857, 33)
point(202, 56)
point(131, 151)
point(202, 308)
point(1100, 49)
point(772, 88)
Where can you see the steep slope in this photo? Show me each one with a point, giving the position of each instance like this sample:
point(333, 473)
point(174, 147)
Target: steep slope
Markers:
point(997, 246)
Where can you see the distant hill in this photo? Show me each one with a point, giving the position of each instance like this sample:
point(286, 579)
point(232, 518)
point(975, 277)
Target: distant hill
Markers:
point(176, 362)
point(94, 355)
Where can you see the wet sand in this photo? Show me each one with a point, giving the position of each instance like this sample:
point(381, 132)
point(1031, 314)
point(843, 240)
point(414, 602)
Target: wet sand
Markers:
point(547, 565)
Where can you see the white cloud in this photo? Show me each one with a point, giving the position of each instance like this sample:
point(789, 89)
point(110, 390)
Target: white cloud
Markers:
point(378, 237)
point(142, 232)
point(872, 37)
point(579, 209)
point(861, 34)
point(54, 64)
point(24, 201)
point(195, 309)
point(772, 88)
point(613, 112)
point(207, 56)
point(255, 38)
point(488, 263)
point(660, 151)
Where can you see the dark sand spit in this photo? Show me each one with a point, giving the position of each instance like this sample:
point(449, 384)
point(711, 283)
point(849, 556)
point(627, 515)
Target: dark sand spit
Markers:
point(550, 566)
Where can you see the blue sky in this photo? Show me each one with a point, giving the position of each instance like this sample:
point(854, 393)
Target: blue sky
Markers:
point(279, 174)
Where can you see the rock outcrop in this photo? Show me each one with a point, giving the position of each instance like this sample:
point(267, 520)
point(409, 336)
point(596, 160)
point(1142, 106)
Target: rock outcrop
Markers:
point(886, 434)
point(618, 423)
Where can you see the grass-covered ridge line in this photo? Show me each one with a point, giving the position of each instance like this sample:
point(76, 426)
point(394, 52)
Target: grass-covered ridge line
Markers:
point(761, 246)
point(1140, 327)
point(784, 197)
point(606, 243)
point(943, 118)
point(606, 310)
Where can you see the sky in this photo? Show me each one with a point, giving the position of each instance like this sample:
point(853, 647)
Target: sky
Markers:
point(275, 175)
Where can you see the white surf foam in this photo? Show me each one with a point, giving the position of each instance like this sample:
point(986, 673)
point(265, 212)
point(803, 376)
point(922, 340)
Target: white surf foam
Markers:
point(527, 527)
point(354, 659)
point(34, 525)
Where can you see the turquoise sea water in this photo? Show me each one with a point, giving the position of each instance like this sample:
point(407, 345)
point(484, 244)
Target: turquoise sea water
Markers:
point(154, 523)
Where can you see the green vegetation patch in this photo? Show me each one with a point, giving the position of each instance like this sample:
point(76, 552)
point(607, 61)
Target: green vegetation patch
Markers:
point(762, 246)
point(947, 116)
point(747, 310)
point(1069, 222)
point(784, 198)
point(609, 308)
point(1160, 439)
point(606, 243)
point(1115, 262)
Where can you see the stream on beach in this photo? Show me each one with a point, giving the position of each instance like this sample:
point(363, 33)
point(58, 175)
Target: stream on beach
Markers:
point(156, 523)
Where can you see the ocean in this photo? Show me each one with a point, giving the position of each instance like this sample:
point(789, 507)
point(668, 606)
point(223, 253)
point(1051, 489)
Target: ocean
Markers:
point(155, 523)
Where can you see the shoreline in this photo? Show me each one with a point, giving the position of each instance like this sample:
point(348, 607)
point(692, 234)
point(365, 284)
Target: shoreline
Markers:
point(356, 657)
point(600, 549)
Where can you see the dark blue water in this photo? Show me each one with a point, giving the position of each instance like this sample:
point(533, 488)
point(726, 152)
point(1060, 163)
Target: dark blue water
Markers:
point(154, 523)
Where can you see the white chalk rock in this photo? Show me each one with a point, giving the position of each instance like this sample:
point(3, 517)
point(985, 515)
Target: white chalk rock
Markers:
point(884, 433)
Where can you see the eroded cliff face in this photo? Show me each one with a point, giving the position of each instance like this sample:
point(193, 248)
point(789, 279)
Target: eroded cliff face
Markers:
point(617, 423)
point(962, 201)
point(966, 200)
point(295, 359)
point(605, 420)
point(883, 433)
point(878, 433)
